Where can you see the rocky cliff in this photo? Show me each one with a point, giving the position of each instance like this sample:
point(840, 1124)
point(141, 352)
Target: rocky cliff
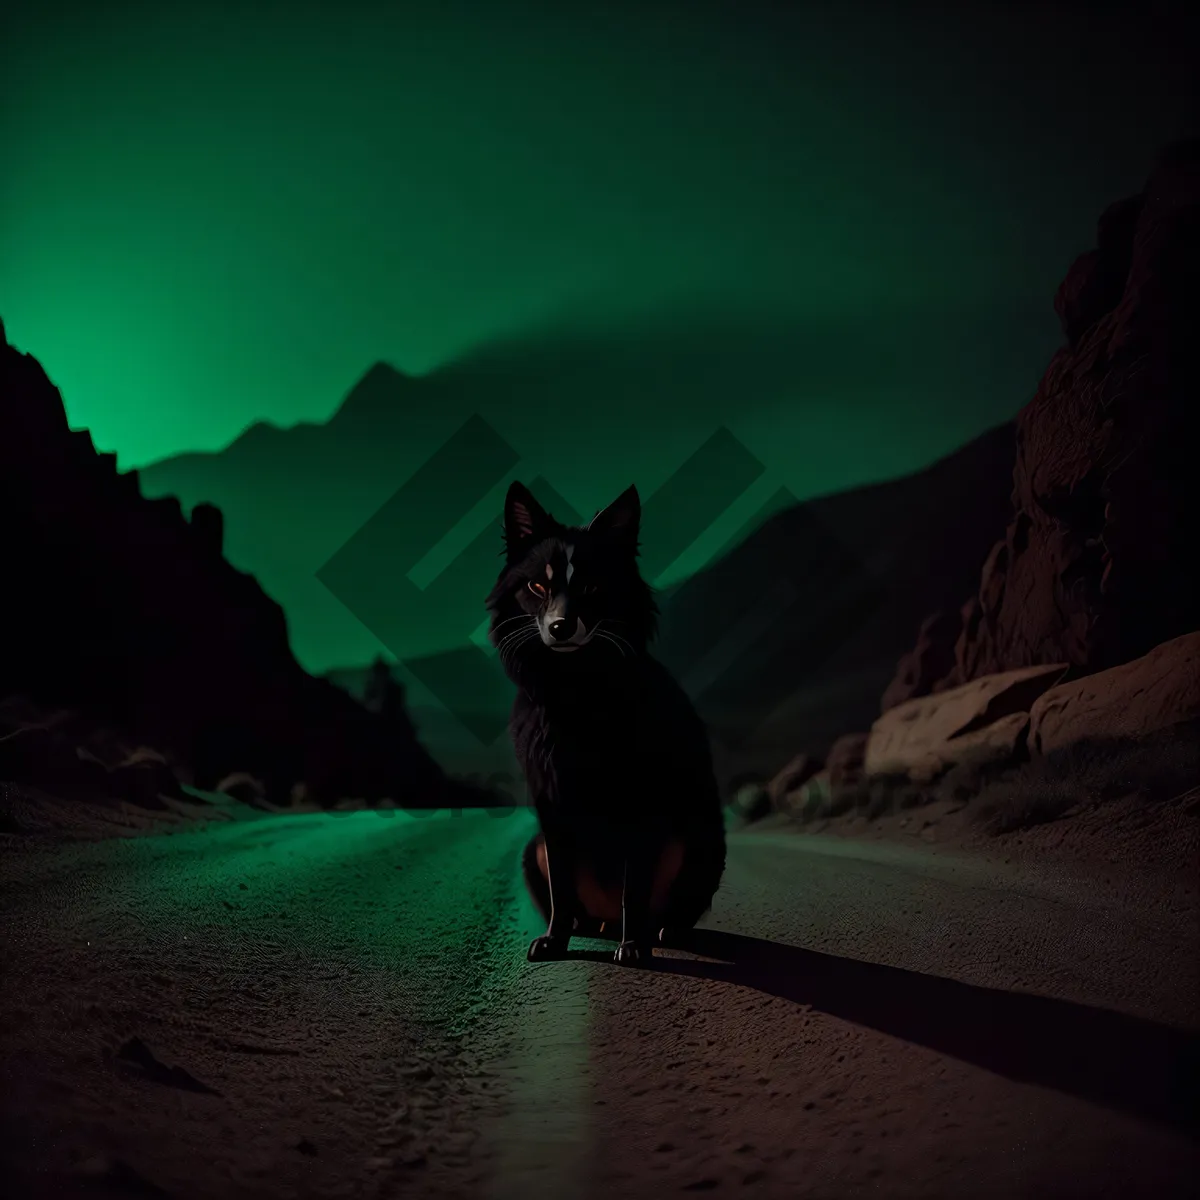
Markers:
point(1096, 565)
point(118, 606)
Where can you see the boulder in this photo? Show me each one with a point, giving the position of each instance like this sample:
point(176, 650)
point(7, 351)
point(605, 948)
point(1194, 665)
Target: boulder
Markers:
point(751, 803)
point(812, 799)
point(1143, 697)
point(978, 722)
point(144, 777)
point(793, 776)
point(994, 743)
point(242, 787)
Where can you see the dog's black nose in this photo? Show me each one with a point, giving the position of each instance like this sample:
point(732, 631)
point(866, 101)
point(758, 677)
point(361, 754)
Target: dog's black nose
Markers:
point(560, 631)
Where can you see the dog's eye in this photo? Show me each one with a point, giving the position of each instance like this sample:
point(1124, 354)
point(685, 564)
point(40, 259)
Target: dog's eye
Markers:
point(538, 589)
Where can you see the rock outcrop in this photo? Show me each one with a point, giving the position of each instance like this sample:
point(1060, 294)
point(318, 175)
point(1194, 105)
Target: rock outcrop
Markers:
point(971, 725)
point(846, 763)
point(929, 662)
point(117, 606)
point(1150, 695)
point(1096, 563)
point(79, 760)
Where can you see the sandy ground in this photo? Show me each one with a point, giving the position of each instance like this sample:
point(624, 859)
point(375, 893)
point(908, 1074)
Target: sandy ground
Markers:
point(339, 1006)
point(1127, 851)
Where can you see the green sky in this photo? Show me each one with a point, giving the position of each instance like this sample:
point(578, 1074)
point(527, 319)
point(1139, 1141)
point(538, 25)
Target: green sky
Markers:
point(213, 214)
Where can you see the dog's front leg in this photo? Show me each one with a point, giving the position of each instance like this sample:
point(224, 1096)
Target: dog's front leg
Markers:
point(636, 937)
point(560, 875)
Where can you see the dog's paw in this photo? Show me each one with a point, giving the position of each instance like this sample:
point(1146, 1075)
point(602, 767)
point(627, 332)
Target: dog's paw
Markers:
point(547, 949)
point(630, 954)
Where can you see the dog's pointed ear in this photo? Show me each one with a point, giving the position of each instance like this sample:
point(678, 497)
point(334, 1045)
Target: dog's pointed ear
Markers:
point(622, 518)
point(525, 520)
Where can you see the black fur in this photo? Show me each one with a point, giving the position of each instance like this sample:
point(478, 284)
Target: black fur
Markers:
point(616, 758)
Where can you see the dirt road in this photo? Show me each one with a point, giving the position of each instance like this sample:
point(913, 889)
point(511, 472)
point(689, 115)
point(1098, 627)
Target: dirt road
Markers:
point(340, 1006)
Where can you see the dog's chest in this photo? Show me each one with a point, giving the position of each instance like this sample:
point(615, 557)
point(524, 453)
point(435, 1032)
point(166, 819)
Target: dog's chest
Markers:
point(593, 756)
point(600, 749)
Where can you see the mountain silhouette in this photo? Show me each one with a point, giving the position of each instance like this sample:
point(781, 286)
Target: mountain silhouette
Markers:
point(826, 406)
point(788, 640)
point(123, 609)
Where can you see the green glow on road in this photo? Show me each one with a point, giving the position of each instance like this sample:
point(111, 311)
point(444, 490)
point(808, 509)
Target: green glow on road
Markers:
point(357, 893)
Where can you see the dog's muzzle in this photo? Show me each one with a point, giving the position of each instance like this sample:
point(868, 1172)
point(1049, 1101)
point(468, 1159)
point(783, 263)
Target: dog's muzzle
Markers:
point(565, 635)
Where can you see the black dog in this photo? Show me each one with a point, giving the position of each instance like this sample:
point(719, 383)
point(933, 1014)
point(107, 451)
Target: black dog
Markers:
point(616, 759)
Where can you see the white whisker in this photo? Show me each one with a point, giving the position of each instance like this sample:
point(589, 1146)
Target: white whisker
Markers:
point(514, 638)
point(608, 637)
point(516, 633)
point(613, 635)
point(509, 620)
point(510, 651)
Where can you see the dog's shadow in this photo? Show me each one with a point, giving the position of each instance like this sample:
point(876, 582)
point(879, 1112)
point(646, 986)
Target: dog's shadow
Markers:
point(1137, 1066)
